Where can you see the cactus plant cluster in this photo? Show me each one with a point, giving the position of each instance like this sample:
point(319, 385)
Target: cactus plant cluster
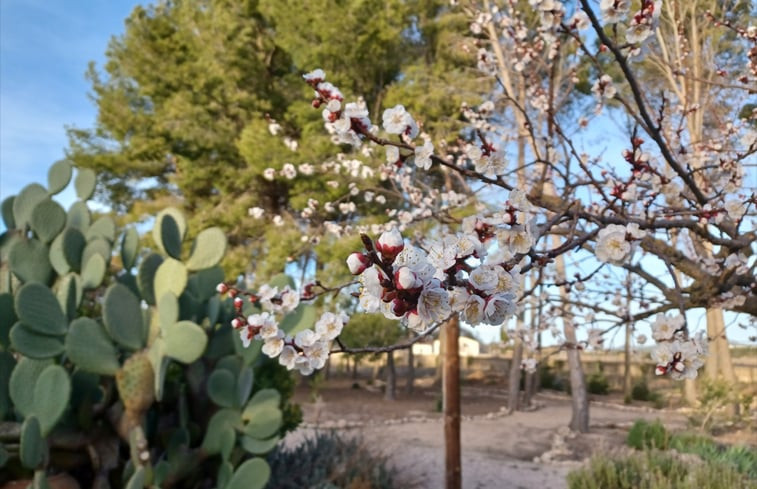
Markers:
point(105, 345)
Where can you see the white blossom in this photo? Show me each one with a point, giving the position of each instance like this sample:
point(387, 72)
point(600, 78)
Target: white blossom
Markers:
point(423, 155)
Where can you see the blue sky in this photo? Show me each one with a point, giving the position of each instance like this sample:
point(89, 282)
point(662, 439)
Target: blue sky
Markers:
point(45, 46)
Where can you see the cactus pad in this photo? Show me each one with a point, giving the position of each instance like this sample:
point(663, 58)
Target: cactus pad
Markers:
point(69, 294)
point(84, 183)
point(252, 474)
point(104, 228)
point(29, 261)
point(93, 272)
point(146, 277)
point(6, 208)
point(90, 348)
point(208, 249)
point(34, 345)
point(33, 447)
point(73, 246)
point(38, 309)
point(47, 220)
point(136, 383)
point(171, 276)
point(52, 392)
point(129, 247)
point(185, 341)
point(79, 216)
point(122, 316)
point(58, 176)
point(25, 202)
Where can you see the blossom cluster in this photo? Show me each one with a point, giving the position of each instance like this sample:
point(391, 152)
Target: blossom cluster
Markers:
point(615, 243)
point(453, 274)
point(307, 350)
point(675, 353)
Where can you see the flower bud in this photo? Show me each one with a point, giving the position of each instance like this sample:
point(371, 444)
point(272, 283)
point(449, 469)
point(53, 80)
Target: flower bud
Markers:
point(357, 263)
point(406, 279)
point(388, 295)
point(222, 288)
point(399, 307)
point(661, 370)
point(238, 303)
point(236, 323)
point(389, 244)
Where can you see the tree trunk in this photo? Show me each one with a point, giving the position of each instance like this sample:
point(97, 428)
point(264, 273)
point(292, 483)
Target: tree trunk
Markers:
point(722, 353)
point(451, 398)
point(513, 387)
point(410, 386)
point(354, 368)
point(690, 392)
point(390, 394)
point(627, 365)
point(530, 388)
point(440, 358)
point(579, 420)
point(579, 398)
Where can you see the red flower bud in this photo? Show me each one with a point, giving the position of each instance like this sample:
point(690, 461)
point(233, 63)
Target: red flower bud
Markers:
point(358, 263)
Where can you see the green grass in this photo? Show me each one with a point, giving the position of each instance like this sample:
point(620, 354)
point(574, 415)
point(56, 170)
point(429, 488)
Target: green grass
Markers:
point(645, 435)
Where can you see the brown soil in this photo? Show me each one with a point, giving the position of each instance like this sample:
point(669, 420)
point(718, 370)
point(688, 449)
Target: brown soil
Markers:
point(522, 450)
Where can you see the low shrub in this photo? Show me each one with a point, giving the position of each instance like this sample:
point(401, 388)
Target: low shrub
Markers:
point(722, 404)
point(655, 470)
point(644, 434)
point(598, 384)
point(741, 458)
point(330, 461)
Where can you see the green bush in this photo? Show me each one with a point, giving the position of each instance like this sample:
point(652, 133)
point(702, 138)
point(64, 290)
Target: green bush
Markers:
point(640, 391)
point(655, 470)
point(330, 461)
point(648, 435)
point(741, 458)
point(598, 384)
point(714, 398)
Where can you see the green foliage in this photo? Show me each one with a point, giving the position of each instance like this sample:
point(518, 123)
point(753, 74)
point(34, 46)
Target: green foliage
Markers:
point(330, 460)
point(741, 458)
point(252, 474)
point(96, 351)
point(714, 397)
point(654, 470)
point(597, 383)
point(641, 392)
point(200, 124)
point(644, 434)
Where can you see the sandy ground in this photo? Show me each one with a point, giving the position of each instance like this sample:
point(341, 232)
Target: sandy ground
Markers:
point(499, 450)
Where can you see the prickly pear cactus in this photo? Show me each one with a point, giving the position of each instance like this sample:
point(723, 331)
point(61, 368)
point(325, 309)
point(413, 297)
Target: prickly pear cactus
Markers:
point(120, 344)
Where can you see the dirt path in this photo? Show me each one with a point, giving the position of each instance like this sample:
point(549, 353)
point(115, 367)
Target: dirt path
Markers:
point(499, 450)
